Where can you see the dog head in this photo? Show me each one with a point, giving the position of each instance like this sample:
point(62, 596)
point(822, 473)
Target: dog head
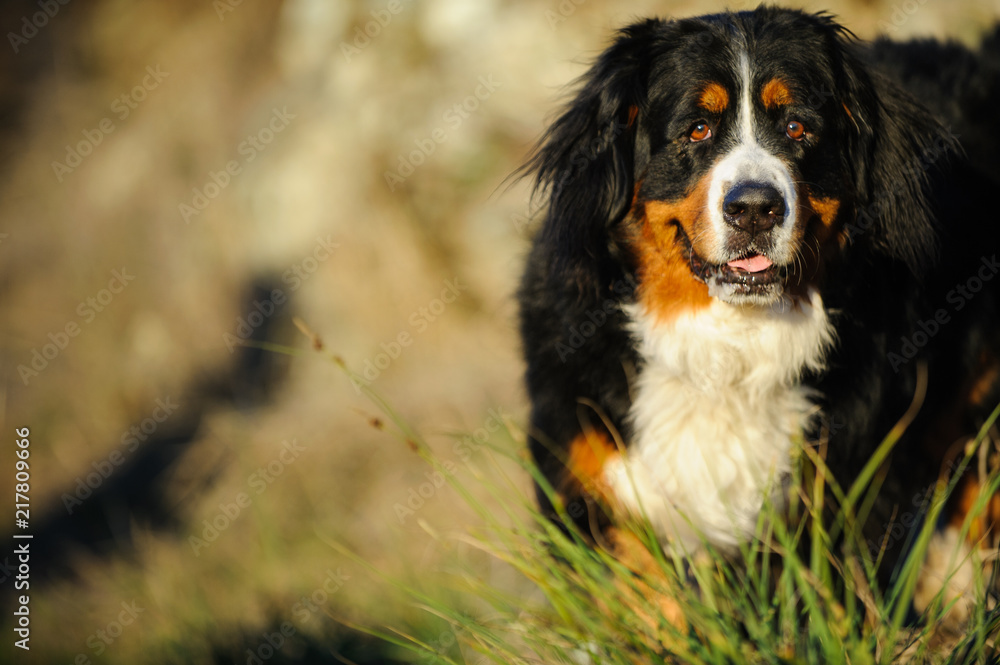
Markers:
point(730, 157)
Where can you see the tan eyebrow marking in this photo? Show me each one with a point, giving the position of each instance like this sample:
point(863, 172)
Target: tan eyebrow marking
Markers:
point(714, 98)
point(775, 93)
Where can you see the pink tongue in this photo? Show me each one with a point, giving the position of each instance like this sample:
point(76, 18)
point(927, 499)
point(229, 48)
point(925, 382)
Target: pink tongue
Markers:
point(755, 263)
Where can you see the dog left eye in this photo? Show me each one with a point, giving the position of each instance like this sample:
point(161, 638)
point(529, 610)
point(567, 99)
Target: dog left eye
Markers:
point(795, 130)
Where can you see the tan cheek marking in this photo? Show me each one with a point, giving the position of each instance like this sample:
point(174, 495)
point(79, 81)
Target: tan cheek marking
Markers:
point(714, 98)
point(775, 93)
point(666, 285)
point(826, 208)
point(817, 239)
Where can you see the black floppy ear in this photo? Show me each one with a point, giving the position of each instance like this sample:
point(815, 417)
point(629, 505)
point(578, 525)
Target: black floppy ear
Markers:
point(894, 143)
point(586, 161)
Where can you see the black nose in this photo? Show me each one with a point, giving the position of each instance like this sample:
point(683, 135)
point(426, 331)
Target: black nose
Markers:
point(753, 207)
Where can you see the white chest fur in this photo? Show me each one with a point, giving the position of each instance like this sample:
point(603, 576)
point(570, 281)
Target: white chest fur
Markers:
point(714, 413)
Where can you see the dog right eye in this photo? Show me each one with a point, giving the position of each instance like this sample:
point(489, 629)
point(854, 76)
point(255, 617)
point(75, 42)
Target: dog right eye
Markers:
point(700, 131)
point(795, 130)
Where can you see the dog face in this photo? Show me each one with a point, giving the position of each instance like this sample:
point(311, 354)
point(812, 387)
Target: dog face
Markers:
point(733, 152)
point(745, 179)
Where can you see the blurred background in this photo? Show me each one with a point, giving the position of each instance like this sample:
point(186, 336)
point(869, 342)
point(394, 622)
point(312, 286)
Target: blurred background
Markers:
point(180, 176)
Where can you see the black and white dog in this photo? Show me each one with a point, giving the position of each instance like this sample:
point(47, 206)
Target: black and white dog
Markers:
point(758, 229)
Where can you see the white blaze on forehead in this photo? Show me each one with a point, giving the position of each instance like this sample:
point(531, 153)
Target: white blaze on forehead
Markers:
point(746, 107)
point(748, 161)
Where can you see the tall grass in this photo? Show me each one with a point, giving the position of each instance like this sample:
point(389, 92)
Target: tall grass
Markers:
point(769, 604)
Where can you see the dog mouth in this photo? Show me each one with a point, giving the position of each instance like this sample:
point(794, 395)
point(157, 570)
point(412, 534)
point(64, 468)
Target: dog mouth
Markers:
point(750, 274)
